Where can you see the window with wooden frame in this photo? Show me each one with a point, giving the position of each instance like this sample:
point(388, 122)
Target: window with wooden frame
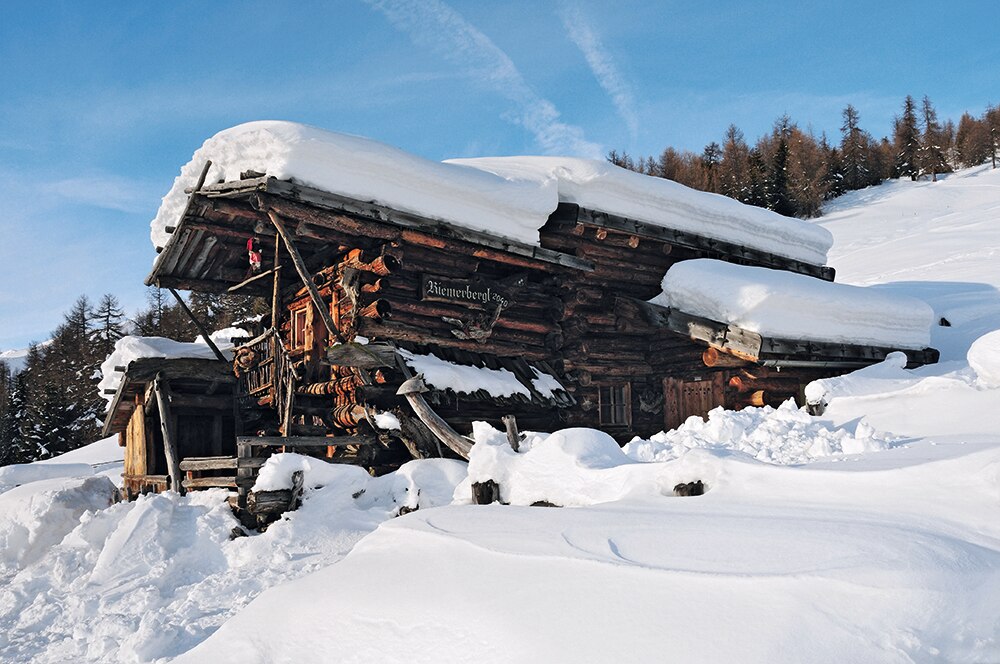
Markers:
point(299, 328)
point(615, 404)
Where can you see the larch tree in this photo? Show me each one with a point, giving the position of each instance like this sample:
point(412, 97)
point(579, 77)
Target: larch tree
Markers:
point(933, 143)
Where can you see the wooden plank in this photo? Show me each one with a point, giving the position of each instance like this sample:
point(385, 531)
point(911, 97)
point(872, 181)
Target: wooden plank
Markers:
point(207, 463)
point(306, 441)
point(213, 402)
point(225, 482)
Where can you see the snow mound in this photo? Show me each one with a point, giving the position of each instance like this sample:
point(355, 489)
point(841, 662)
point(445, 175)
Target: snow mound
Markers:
point(36, 516)
point(777, 303)
point(366, 170)
point(598, 185)
point(984, 358)
point(130, 348)
point(571, 467)
point(785, 435)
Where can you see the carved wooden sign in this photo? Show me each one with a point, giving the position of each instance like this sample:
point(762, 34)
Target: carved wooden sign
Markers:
point(482, 293)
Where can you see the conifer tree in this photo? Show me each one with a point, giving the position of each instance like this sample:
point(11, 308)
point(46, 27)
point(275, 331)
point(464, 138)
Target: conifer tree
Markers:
point(108, 326)
point(972, 141)
point(907, 142)
point(992, 120)
point(779, 197)
point(855, 152)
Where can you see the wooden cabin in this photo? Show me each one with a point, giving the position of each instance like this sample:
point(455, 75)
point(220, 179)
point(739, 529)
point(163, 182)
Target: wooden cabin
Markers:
point(169, 411)
point(361, 294)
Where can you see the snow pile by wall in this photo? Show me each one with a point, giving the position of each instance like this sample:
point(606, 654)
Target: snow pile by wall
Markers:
point(598, 185)
point(570, 467)
point(366, 170)
point(132, 348)
point(783, 304)
point(785, 435)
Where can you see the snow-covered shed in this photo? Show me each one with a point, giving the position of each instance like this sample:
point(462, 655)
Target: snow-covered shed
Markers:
point(536, 269)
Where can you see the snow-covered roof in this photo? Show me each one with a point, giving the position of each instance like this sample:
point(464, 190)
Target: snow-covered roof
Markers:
point(365, 170)
point(781, 304)
point(599, 185)
point(131, 348)
point(511, 197)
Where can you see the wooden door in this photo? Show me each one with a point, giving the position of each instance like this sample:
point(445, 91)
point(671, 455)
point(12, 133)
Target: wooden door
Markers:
point(683, 398)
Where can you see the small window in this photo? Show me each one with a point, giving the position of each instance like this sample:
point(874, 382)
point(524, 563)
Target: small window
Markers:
point(298, 328)
point(615, 404)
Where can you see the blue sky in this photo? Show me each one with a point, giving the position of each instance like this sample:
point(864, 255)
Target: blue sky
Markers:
point(102, 103)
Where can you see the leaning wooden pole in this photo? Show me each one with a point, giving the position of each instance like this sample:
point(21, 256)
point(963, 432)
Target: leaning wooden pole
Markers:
point(160, 387)
point(197, 324)
point(300, 267)
point(413, 390)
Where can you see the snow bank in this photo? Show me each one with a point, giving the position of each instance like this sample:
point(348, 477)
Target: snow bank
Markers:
point(224, 337)
point(786, 435)
point(598, 185)
point(367, 170)
point(132, 348)
point(37, 515)
point(884, 377)
point(984, 358)
point(776, 303)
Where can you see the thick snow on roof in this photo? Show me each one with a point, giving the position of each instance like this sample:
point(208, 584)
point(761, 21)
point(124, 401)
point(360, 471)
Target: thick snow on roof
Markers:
point(131, 348)
point(366, 170)
point(508, 196)
point(782, 304)
point(598, 185)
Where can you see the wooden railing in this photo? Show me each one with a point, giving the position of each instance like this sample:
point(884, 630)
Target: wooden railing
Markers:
point(268, 376)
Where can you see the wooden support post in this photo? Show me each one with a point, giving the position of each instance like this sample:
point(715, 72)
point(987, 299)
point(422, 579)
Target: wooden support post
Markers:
point(197, 324)
point(276, 289)
point(160, 386)
point(300, 267)
point(286, 424)
point(513, 437)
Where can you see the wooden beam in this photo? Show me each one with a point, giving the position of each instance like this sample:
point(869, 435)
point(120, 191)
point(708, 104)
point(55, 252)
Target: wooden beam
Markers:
point(306, 277)
point(201, 328)
point(255, 278)
point(225, 482)
point(364, 356)
point(160, 386)
point(214, 402)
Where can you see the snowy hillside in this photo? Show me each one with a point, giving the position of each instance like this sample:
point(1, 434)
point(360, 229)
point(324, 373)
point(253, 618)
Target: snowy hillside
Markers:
point(867, 534)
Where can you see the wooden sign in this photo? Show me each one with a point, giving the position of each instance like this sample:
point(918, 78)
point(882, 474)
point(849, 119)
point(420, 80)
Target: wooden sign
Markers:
point(481, 293)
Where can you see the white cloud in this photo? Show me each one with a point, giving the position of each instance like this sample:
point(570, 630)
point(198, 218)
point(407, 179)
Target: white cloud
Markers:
point(602, 65)
point(434, 24)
